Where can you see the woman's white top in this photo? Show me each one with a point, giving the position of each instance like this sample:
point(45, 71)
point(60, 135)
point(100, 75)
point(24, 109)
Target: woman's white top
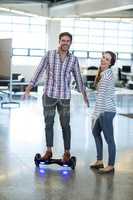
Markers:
point(105, 96)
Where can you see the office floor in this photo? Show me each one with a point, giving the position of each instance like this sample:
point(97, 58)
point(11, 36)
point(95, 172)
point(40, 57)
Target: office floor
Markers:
point(22, 136)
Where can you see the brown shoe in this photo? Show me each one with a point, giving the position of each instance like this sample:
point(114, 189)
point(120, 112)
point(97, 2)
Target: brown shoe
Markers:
point(66, 157)
point(96, 166)
point(106, 171)
point(47, 156)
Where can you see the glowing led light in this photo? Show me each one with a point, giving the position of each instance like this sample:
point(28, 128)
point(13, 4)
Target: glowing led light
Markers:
point(65, 172)
point(42, 171)
point(65, 165)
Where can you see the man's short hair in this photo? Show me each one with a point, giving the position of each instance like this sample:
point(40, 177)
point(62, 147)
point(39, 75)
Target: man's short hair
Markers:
point(65, 34)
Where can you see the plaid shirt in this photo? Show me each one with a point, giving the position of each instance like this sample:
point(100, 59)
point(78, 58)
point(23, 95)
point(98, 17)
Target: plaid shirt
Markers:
point(58, 74)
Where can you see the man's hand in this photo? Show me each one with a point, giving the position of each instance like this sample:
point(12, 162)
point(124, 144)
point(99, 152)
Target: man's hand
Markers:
point(27, 92)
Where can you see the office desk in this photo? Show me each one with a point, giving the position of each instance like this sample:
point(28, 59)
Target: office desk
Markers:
point(129, 75)
point(19, 86)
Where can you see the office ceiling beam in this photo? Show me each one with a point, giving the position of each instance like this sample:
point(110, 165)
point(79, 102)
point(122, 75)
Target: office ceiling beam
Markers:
point(72, 8)
point(91, 8)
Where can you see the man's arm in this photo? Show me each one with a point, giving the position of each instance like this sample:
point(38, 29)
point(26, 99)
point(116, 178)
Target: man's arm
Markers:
point(40, 70)
point(38, 73)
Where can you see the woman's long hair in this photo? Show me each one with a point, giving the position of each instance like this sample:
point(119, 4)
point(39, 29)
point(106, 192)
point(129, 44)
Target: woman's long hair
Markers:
point(112, 62)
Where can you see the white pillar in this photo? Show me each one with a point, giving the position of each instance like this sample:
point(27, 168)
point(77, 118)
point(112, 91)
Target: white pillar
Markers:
point(53, 31)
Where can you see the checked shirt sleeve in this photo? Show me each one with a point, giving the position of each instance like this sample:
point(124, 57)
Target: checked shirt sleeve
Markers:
point(77, 76)
point(40, 70)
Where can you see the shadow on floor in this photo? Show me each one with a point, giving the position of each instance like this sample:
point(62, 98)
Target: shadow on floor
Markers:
point(130, 115)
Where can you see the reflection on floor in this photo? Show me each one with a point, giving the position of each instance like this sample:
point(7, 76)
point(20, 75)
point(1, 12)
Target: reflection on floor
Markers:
point(22, 136)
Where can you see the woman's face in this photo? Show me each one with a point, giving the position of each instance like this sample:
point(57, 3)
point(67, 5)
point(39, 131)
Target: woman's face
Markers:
point(105, 61)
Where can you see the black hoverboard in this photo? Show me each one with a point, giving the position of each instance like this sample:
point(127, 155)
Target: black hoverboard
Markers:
point(71, 163)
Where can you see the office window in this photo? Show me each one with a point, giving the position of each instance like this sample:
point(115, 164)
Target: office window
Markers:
point(23, 52)
point(5, 27)
point(110, 33)
point(20, 20)
point(20, 27)
point(4, 34)
point(124, 56)
point(37, 20)
point(36, 28)
point(96, 47)
point(95, 54)
point(82, 39)
point(80, 54)
point(96, 32)
point(111, 47)
point(111, 25)
point(78, 31)
point(37, 52)
point(125, 26)
point(69, 29)
point(25, 60)
point(125, 41)
point(96, 24)
point(81, 23)
point(67, 23)
point(26, 32)
point(28, 38)
point(95, 40)
point(110, 40)
point(5, 19)
point(101, 35)
point(124, 48)
point(126, 34)
point(81, 46)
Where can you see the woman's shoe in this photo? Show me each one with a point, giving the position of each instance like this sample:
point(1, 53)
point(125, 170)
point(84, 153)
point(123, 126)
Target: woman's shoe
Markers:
point(96, 166)
point(106, 171)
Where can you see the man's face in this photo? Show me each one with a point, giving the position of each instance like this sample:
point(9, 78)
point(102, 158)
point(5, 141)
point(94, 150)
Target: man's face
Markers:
point(65, 43)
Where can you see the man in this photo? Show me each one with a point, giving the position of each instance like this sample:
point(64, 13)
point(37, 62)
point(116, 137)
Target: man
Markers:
point(58, 65)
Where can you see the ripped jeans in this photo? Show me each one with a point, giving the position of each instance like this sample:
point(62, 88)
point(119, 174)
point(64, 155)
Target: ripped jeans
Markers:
point(49, 109)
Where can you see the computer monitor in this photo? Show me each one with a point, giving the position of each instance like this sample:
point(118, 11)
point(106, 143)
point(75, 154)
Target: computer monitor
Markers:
point(126, 68)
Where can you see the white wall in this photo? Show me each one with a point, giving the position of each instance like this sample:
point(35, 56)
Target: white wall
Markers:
point(5, 56)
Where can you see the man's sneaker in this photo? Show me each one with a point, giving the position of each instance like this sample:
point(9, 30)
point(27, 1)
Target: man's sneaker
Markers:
point(66, 157)
point(47, 156)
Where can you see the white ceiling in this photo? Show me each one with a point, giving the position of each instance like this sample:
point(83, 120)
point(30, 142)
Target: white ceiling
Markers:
point(80, 8)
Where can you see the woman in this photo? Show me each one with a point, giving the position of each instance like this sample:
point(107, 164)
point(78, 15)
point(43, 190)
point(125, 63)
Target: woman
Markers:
point(104, 112)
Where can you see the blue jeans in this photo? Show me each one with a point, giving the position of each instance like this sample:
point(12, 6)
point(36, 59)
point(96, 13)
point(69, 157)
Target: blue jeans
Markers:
point(49, 109)
point(105, 123)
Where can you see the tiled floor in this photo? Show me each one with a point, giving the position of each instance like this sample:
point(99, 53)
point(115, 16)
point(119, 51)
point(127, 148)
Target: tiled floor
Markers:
point(22, 136)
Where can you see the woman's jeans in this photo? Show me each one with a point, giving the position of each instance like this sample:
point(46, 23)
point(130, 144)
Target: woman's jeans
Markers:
point(49, 109)
point(105, 123)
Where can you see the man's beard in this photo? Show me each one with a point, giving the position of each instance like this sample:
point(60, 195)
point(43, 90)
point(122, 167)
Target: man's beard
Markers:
point(64, 47)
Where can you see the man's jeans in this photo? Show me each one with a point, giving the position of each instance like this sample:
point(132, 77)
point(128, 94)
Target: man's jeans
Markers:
point(49, 109)
point(105, 123)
